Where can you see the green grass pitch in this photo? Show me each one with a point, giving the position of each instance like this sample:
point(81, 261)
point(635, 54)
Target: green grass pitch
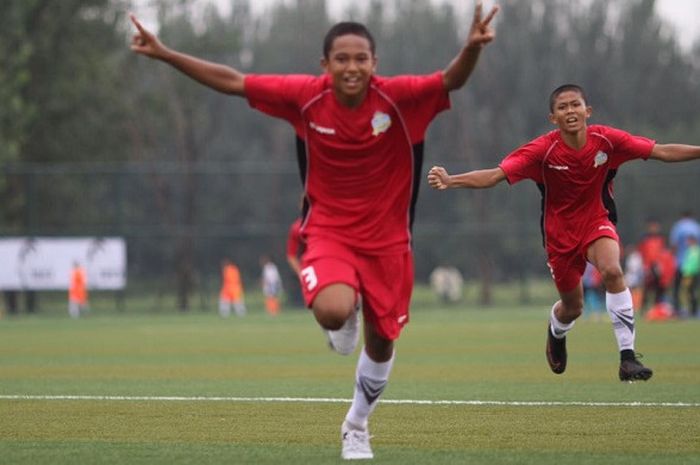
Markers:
point(195, 389)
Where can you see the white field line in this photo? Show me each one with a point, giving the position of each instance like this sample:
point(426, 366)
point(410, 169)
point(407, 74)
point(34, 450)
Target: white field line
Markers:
point(331, 400)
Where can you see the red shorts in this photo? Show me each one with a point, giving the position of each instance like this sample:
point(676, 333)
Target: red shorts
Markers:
point(385, 282)
point(567, 269)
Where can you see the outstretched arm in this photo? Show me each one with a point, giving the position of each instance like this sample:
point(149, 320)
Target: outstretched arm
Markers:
point(675, 152)
point(480, 34)
point(439, 178)
point(219, 77)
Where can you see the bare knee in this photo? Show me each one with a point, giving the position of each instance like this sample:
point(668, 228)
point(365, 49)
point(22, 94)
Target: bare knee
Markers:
point(570, 309)
point(613, 277)
point(334, 305)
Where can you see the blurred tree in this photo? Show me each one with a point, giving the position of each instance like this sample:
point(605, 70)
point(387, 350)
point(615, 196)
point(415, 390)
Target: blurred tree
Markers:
point(61, 88)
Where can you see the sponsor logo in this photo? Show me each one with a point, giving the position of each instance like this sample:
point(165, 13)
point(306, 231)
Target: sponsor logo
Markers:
point(308, 275)
point(402, 319)
point(321, 129)
point(600, 159)
point(558, 167)
point(381, 122)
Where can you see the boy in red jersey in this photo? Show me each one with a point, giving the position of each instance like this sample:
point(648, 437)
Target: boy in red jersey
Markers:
point(360, 139)
point(573, 166)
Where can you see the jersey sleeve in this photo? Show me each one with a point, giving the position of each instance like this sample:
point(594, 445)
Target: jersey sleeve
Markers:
point(525, 162)
point(281, 96)
point(419, 98)
point(626, 146)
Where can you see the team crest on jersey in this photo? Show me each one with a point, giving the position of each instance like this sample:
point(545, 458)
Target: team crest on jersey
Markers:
point(381, 122)
point(600, 159)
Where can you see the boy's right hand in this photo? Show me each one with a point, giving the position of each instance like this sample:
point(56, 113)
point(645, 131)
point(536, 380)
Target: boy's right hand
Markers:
point(145, 42)
point(438, 178)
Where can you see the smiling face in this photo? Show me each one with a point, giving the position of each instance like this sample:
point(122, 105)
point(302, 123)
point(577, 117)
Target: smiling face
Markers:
point(570, 112)
point(350, 63)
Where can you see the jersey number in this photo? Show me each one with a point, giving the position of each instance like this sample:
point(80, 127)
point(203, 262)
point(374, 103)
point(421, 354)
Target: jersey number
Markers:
point(308, 275)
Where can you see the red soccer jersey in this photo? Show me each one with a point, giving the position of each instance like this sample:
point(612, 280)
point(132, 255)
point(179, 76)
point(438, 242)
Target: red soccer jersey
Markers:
point(360, 162)
point(576, 184)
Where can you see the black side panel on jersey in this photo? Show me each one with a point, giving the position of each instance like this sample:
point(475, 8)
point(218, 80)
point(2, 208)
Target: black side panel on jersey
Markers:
point(543, 191)
point(301, 162)
point(608, 200)
point(417, 170)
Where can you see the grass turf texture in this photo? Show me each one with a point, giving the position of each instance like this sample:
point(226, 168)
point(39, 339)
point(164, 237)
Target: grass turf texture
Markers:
point(487, 355)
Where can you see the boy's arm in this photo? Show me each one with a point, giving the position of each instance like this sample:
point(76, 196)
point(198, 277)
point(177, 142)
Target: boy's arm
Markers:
point(480, 34)
point(438, 178)
point(219, 77)
point(675, 152)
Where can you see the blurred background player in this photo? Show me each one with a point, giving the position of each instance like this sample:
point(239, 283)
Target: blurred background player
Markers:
point(271, 285)
point(686, 227)
point(593, 293)
point(690, 269)
point(77, 291)
point(634, 275)
point(231, 294)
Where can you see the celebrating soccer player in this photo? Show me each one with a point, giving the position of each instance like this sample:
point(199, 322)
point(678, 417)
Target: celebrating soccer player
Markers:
point(361, 136)
point(574, 166)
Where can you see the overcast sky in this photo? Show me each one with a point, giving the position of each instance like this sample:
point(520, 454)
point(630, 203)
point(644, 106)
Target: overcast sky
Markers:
point(684, 15)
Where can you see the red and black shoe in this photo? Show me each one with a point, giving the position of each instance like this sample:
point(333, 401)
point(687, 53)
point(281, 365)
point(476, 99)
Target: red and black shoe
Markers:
point(556, 353)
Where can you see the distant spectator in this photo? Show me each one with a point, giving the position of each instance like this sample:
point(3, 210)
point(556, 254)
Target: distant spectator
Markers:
point(231, 294)
point(651, 248)
point(271, 285)
point(634, 275)
point(593, 293)
point(689, 270)
point(77, 292)
point(681, 230)
point(447, 283)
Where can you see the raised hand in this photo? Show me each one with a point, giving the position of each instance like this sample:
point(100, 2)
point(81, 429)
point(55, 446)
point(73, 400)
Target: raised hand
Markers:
point(481, 33)
point(146, 42)
point(438, 178)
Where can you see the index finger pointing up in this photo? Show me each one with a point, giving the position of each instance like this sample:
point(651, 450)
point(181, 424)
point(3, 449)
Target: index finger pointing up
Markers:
point(136, 23)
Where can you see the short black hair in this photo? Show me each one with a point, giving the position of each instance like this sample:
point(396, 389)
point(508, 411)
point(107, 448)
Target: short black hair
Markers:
point(565, 88)
point(346, 28)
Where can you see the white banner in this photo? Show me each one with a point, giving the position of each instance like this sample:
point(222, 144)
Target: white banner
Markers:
point(43, 263)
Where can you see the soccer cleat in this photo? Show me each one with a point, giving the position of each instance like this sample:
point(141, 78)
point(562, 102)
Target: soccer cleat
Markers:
point(344, 340)
point(633, 370)
point(355, 443)
point(556, 352)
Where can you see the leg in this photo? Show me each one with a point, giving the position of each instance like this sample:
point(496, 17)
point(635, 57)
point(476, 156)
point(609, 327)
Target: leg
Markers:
point(333, 305)
point(336, 310)
point(693, 296)
point(371, 377)
point(604, 254)
point(564, 314)
point(224, 307)
point(676, 301)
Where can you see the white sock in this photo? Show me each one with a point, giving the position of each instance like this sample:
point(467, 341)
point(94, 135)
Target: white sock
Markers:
point(622, 316)
point(370, 380)
point(224, 308)
point(556, 327)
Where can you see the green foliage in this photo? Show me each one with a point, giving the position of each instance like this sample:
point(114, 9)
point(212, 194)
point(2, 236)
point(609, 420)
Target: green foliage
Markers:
point(207, 176)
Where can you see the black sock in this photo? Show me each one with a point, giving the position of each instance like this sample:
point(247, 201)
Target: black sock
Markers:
point(627, 354)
